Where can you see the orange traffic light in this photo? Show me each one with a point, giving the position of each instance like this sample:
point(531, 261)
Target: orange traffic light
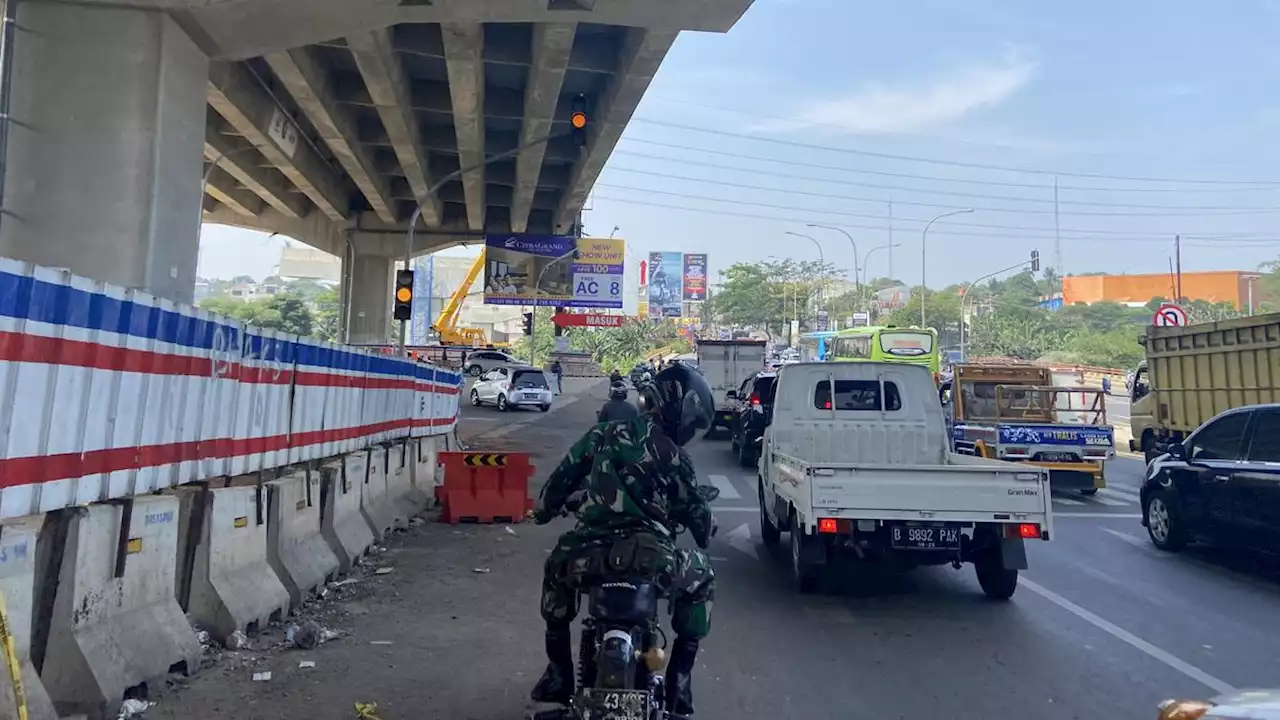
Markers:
point(403, 307)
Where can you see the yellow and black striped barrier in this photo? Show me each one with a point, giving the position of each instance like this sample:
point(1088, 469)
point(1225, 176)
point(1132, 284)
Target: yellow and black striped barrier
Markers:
point(485, 459)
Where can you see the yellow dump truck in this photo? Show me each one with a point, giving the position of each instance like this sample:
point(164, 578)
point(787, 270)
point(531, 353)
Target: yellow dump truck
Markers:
point(1193, 373)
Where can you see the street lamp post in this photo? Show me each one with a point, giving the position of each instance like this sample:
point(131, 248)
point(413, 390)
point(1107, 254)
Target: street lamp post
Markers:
point(851, 242)
point(968, 291)
point(821, 259)
point(867, 257)
point(924, 236)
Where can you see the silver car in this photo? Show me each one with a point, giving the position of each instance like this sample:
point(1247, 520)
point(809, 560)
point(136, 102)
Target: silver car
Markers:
point(509, 386)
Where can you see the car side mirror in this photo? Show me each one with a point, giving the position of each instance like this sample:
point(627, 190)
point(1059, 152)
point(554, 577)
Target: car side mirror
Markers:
point(732, 395)
point(1177, 451)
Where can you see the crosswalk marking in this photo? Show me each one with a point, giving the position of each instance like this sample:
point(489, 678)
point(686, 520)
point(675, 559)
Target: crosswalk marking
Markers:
point(1067, 501)
point(1119, 494)
point(725, 486)
point(1103, 500)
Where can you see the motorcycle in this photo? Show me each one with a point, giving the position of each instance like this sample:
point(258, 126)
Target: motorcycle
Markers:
point(622, 649)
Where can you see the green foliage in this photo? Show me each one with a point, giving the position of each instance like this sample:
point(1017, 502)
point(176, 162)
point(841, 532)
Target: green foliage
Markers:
point(285, 312)
point(941, 310)
point(771, 294)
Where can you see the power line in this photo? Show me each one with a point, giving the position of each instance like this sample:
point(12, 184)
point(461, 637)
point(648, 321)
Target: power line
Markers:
point(954, 163)
point(1049, 211)
point(1021, 228)
point(923, 191)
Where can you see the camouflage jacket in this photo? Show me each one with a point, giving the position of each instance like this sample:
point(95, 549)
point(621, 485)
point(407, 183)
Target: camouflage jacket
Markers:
point(635, 478)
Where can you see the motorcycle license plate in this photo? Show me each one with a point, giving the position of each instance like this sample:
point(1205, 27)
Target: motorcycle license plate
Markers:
point(907, 537)
point(614, 704)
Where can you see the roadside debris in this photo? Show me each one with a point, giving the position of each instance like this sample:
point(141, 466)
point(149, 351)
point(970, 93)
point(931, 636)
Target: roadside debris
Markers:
point(384, 571)
point(482, 571)
point(130, 708)
point(306, 664)
point(308, 635)
point(262, 676)
point(236, 641)
point(367, 711)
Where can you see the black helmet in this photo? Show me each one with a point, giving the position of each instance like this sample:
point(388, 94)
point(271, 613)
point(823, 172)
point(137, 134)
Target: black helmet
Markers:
point(680, 400)
point(618, 391)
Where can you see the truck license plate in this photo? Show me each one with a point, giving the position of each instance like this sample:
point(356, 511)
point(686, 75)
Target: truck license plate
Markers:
point(925, 538)
point(614, 704)
point(1057, 457)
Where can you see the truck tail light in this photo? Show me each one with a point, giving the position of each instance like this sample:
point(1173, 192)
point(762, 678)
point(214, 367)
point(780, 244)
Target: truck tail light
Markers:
point(1026, 531)
point(835, 526)
point(755, 398)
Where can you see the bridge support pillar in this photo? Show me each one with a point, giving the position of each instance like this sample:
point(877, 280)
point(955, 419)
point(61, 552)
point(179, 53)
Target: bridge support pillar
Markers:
point(370, 293)
point(104, 155)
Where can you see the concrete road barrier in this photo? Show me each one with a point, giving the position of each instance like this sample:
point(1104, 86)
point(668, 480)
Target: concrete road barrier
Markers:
point(295, 548)
point(18, 539)
point(231, 584)
point(425, 476)
point(341, 523)
point(115, 624)
point(402, 497)
point(374, 505)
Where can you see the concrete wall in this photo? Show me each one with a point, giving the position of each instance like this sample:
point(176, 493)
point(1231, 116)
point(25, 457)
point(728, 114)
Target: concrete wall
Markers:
point(104, 160)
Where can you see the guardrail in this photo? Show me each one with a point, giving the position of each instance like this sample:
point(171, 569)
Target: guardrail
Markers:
point(108, 393)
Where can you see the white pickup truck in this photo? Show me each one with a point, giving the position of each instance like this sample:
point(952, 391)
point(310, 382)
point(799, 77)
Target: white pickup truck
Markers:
point(856, 465)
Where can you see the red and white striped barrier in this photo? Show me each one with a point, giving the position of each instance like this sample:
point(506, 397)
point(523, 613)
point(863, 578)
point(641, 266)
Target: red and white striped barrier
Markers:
point(108, 393)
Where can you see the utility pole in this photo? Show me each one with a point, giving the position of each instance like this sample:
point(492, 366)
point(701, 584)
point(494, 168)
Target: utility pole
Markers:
point(1057, 239)
point(1177, 254)
point(890, 239)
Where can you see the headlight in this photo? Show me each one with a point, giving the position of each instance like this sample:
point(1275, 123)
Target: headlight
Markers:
point(1183, 709)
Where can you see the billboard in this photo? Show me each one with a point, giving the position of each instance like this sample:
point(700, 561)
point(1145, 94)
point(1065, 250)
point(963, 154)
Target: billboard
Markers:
point(543, 270)
point(666, 276)
point(695, 276)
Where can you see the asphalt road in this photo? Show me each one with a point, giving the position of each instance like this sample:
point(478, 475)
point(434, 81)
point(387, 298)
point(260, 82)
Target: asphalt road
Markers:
point(1102, 626)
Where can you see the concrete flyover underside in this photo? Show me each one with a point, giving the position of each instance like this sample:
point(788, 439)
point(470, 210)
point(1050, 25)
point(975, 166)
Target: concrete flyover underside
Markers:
point(328, 121)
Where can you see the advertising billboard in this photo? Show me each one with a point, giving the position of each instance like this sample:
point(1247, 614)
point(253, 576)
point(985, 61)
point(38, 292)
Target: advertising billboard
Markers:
point(695, 277)
point(553, 270)
point(666, 276)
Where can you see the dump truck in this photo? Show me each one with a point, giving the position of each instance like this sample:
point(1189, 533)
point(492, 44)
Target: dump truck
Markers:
point(1195, 372)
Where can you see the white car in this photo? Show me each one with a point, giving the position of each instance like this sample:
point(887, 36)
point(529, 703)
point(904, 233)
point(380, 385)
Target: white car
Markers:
point(482, 361)
point(511, 386)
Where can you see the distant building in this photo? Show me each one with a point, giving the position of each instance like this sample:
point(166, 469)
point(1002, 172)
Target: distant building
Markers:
point(305, 263)
point(1233, 286)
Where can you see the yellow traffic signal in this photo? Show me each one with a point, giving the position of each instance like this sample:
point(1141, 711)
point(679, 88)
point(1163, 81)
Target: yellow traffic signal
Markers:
point(403, 308)
point(578, 120)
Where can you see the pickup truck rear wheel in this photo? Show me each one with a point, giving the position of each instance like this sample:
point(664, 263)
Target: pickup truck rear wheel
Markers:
point(806, 576)
point(769, 533)
point(997, 581)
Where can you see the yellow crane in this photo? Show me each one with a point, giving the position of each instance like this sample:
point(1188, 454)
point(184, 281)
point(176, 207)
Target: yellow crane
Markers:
point(446, 323)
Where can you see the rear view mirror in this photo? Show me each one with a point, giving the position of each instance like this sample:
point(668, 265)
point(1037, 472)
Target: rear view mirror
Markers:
point(1177, 451)
point(708, 492)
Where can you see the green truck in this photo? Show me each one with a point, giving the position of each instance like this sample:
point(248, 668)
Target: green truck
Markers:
point(1192, 373)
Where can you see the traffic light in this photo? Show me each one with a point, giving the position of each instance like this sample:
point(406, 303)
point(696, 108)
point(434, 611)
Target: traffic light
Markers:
point(528, 323)
point(404, 295)
point(1035, 261)
point(578, 120)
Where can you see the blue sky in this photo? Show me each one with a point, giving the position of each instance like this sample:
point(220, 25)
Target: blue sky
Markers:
point(1143, 89)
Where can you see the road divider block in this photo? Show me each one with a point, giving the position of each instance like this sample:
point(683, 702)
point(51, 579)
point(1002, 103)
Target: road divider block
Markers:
point(426, 473)
point(115, 624)
point(229, 583)
point(485, 487)
point(18, 578)
point(402, 497)
point(374, 505)
point(341, 523)
point(296, 550)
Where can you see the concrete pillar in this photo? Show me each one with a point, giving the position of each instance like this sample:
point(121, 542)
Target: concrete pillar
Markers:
point(370, 294)
point(105, 152)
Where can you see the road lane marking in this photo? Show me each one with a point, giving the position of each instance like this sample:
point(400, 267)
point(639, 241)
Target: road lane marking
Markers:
point(725, 486)
point(1119, 494)
point(1103, 500)
point(733, 508)
point(1133, 540)
point(1067, 501)
point(1129, 638)
point(1122, 516)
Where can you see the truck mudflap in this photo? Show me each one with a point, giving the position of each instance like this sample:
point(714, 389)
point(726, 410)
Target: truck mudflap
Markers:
point(1013, 551)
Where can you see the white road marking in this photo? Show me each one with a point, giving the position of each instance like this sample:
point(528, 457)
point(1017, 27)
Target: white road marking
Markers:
point(1124, 487)
point(734, 509)
point(1119, 494)
point(725, 486)
point(1129, 638)
point(1067, 501)
point(1133, 540)
point(1104, 500)
point(740, 539)
point(1121, 516)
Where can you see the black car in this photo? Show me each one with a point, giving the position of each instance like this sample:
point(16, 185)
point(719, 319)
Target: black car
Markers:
point(752, 413)
point(1221, 484)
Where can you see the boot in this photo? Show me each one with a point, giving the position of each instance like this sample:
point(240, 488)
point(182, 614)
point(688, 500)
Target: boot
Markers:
point(556, 683)
point(684, 654)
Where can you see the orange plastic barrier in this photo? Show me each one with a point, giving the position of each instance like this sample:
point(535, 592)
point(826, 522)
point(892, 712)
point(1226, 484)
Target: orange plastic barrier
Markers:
point(484, 487)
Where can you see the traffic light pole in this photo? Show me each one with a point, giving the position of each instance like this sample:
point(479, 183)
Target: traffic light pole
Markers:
point(435, 189)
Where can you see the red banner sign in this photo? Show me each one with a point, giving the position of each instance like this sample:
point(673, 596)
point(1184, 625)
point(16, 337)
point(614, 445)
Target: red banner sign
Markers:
point(585, 320)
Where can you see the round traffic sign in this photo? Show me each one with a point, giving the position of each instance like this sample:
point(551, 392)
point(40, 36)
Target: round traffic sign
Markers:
point(1169, 315)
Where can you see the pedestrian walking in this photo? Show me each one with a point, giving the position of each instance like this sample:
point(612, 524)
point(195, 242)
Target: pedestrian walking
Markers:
point(558, 370)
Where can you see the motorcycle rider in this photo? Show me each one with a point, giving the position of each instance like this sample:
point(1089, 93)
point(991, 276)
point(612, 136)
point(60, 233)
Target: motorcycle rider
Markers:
point(615, 377)
point(617, 407)
point(637, 484)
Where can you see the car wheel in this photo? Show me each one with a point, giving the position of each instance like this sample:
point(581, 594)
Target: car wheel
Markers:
point(502, 403)
point(746, 454)
point(1088, 491)
point(475, 398)
point(805, 576)
point(544, 408)
point(769, 533)
point(474, 371)
point(997, 581)
point(1164, 521)
point(733, 442)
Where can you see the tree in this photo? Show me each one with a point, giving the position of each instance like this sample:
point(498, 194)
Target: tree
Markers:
point(942, 311)
point(282, 312)
point(326, 315)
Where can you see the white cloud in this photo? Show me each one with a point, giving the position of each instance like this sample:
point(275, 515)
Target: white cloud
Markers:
point(880, 108)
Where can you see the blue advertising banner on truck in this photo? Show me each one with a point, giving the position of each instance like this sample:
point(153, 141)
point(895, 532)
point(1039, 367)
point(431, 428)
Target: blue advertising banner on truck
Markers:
point(1076, 436)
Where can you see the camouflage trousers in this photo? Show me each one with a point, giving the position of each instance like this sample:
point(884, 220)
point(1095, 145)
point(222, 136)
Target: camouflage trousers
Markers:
point(685, 576)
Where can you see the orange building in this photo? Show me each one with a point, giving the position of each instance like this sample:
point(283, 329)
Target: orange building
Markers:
point(1231, 286)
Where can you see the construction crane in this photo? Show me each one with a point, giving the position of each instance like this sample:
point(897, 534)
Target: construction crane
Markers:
point(447, 322)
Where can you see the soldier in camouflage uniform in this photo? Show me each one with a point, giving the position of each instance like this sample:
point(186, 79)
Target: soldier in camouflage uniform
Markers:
point(635, 484)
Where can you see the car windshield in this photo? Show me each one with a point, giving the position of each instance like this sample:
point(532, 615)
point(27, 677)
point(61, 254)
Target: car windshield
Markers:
point(529, 379)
